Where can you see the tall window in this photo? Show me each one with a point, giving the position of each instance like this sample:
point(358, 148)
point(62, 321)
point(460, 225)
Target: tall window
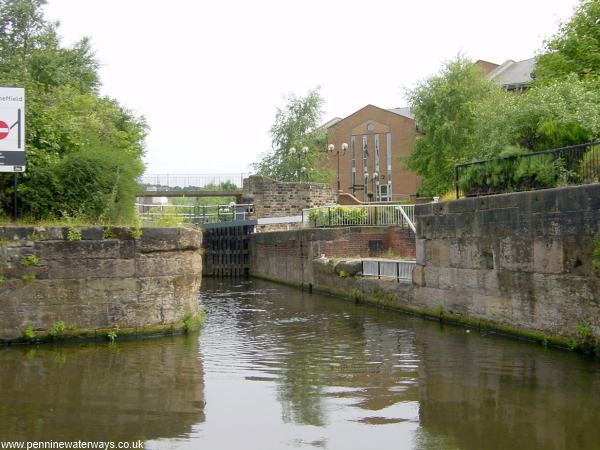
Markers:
point(377, 193)
point(353, 150)
point(388, 152)
point(365, 156)
point(377, 153)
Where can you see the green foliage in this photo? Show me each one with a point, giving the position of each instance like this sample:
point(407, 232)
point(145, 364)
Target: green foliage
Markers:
point(584, 341)
point(74, 234)
point(107, 233)
point(596, 254)
point(113, 334)
point(297, 126)
point(344, 274)
point(84, 150)
point(551, 115)
point(338, 215)
point(444, 108)
point(590, 165)
point(57, 329)
point(515, 174)
point(2, 279)
point(30, 260)
point(28, 277)
point(190, 322)
point(29, 335)
point(575, 48)
point(584, 330)
point(136, 232)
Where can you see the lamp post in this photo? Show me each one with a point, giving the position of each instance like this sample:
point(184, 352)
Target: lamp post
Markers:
point(301, 154)
point(375, 179)
point(331, 149)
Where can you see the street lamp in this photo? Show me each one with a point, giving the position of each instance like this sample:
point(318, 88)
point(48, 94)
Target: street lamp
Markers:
point(375, 178)
point(303, 153)
point(331, 149)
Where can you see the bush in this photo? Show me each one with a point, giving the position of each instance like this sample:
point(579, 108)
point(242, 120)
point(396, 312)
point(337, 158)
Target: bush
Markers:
point(338, 215)
point(590, 165)
point(515, 174)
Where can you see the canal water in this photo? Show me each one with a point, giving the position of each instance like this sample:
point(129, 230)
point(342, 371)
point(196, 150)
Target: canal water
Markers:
point(275, 368)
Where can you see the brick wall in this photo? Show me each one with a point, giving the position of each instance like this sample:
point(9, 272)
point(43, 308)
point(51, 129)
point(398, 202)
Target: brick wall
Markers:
point(288, 255)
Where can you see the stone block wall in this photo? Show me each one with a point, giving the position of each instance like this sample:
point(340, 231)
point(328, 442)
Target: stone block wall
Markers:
point(97, 278)
point(520, 261)
point(280, 199)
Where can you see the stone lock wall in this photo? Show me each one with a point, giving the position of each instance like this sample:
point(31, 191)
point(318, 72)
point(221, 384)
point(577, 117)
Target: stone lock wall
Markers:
point(520, 261)
point(94, 279)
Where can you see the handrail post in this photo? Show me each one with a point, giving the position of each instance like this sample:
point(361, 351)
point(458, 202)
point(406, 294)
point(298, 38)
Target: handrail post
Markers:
point(456, 180)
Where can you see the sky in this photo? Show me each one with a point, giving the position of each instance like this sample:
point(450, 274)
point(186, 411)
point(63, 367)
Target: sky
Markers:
point(209, 76)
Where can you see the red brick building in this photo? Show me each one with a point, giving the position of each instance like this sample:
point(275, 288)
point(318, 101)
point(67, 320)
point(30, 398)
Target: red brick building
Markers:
point(377, 139)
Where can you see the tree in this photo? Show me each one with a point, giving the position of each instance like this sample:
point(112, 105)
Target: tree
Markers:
point(297, 141)
point(551, 115)
point(444, 108)
point(575, 48)
point(83, 150)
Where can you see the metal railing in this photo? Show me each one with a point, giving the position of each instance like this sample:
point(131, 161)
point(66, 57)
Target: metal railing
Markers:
point(336, 216)
point(399, 270)
point(196, 214)
point(169, 182)
point(577, 164)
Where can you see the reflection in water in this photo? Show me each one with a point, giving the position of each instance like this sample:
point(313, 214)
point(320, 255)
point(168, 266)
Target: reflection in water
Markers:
point(275, 368)
point(348, 376)
point(128, 391)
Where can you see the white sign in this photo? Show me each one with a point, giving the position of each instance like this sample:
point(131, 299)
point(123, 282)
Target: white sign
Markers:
point(12, 129)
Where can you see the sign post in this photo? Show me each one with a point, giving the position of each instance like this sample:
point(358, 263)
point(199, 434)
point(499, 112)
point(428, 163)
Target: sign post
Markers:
point(12, 134)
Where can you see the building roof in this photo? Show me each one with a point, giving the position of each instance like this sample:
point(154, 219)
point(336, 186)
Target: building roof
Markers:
point(486, 66)
point(511, 74)
point(331, 123)
point(404, 111)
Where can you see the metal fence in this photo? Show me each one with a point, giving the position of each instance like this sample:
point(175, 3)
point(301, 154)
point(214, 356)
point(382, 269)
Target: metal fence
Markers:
point(336, 216)
point(399, 270)
point(196, 214)
point(577, 164)
point(167, 182)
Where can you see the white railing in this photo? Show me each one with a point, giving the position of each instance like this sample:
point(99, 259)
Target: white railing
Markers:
point(399, 270)
point(167, 182)
point(335, 216)
point(196, 214)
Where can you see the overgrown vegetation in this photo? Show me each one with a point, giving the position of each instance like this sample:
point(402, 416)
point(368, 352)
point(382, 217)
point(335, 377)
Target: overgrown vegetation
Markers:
point(596, 254)
point(57, 329)
point(113, 334)
point(29, 260)
point(465, 117)
point(83, 150)
point(74, 234)
point(29, 335)
point(575, 48)
point(585, 341)
point(338, 215)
